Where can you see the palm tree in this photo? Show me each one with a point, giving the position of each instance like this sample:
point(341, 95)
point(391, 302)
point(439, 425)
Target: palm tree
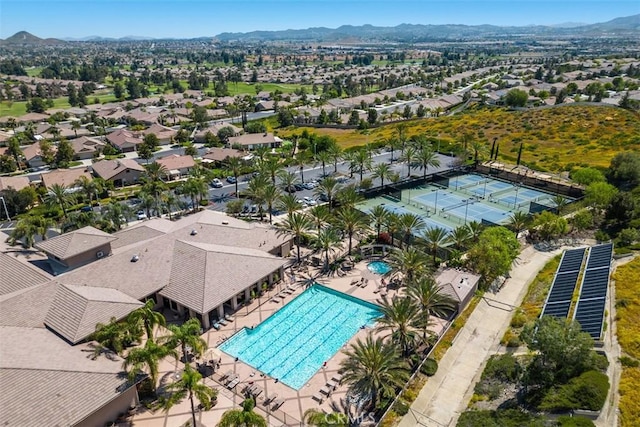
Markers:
point(116, 335)
point(518, 221)
point(379, 216)
point(475, 228)
point(460, 236)
point(351, 221)
point(427, 157)
point(348, 196)
point(243, 418)
point(411, 262)
point(153, 182)
point(147, 202)
point(314, 417)
point(287, 181)
point(234, 164)
point(398, 317)
point(60, 195)
point(335, 154)
point(271, 167)
point(374, 369)
point(170, 201)
point(382, 171)
point(297, 225)
point(429, 299)
point(561, 202)
point(116, 214)
point(409, 156)
point(434, 239)
point(323, 158)
point(29, 227)
point(410, 224)
point(392, 143)
point(255, 191)
point(327, 187)
point(320, 216)
point(361, 161)
point(88, 187)
point(147, 358)
point(393, 225)
point(148, 318)
point(270, 195)
point(191, 189)
point(401, 135)
point(327, 240)
point(189, 385)
point(288, 203)
point(186, 335)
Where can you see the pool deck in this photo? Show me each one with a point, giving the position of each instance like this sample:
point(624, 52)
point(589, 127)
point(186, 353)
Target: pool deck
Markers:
point(295, 402)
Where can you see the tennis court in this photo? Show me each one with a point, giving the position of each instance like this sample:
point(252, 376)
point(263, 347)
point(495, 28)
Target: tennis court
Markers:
point(466, 208)
point(428, 220)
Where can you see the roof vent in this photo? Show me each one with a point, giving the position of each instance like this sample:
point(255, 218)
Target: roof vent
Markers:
point(135, 258)
point(194, 232)
point(225, 222)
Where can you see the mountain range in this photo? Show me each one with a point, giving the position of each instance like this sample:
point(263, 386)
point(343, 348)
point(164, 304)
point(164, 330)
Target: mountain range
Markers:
point(403, 33)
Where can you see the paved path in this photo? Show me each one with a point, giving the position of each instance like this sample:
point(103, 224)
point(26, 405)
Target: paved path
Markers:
point(445, 395)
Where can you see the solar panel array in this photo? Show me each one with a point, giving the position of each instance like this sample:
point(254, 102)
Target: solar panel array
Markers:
point(593, 291)
point(564, 282)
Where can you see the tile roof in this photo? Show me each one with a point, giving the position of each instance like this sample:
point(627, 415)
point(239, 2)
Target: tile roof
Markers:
point(45, 381)
point(76, 242)
point(86, 144)
point(204, 276)
point(27, 308)
point(17, 275)
point(15, 182)
point(65, 177)
point(220, 154)
point(107, 169)
point(134, 235)
point(175, 161)
point(76, 310)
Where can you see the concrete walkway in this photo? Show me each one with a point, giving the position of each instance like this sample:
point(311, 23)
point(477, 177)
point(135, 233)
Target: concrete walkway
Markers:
point(446, 394)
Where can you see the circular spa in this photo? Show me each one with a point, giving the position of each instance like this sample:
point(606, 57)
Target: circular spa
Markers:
point(379, 267)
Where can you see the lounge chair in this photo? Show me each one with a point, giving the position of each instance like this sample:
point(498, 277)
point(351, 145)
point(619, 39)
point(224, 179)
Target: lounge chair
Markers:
point(216, 326)
point(229, 317)
point(231, 378)
point(256, 391)
point(233, 383)
point(226, 374)
point(354, 282)
point(270, 398)
point(325, 390)
point(318, 397)
point(337, 378)
point(222, 322)
point(277, 403)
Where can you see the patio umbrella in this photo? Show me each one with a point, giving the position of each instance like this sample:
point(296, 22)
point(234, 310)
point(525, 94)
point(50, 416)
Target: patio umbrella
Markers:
point(212, 353)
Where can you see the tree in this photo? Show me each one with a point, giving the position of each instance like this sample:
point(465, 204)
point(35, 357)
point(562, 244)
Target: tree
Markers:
point(270, 195)
point(116, 213)
point(398, 317)
point(434, 239)
point(372, 116)
point(411, 262)
point(624, 170)
point(348, 197)
point(516, 98)
point(59, 195)
point(599, 194)
point(147, 358)
point(88, 186)
point(410, 224)
point(327, 188)
point(518, 221)
point(374, 370)
point(234, 165)
point(243, 418)
point(351, 221)
point(426, 158)
point(560, 202)
point(459, 237)
point(297, 225)
point(409, 156)
point(153, 183)
point(148, 318)
point(493, 254)
point(320, 215)
point(65, 153)
point(622, 208)
point(379, 216)
point(189, 385)
point(314, 417)
point(186, 335)
point(586, 176)
point(429, 299)
point(327, 240)
point(288, 203)
point(116, 335)
point(28, 227)
point(382, 171)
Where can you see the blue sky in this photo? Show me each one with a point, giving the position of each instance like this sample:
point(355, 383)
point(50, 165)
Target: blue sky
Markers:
point(188, 18)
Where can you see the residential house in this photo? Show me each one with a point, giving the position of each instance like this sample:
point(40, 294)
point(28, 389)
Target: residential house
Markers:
point(15, 182)
point(124, 140)
point(177, 166)
point(164, 134)
point(64, 177)
point(119, 171)
point(218, 156)
point(86, 148)
point(251, 141)
point(33, 155)
point(214, 128)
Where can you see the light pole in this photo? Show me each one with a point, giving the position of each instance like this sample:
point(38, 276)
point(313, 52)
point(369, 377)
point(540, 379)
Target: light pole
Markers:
point(466, 208)
point(515, 203)
point(5, 208)
point(484, 192)
point(435, 208)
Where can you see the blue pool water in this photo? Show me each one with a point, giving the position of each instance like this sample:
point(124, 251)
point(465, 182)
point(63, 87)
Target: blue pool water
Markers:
point(379, 267)
point(292, 344)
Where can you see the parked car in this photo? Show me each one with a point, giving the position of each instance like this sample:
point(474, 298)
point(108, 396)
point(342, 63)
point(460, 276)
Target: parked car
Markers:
point(86, 209)
point(141, 215)
point(231, 179)
point(216, 183)
point(298, 187)
point(309, 201)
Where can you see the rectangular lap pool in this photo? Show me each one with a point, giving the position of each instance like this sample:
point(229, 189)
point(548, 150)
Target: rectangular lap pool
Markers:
point(293, 343)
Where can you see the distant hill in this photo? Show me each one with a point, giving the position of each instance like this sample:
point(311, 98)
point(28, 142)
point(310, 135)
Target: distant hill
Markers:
point(627, 23)
point(23, 37)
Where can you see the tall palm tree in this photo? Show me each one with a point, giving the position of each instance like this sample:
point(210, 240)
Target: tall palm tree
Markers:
point(429, 299)
point(460, 236)
point(271, 167)
point(28, 227)
point(287, 180)
point(320, 216)
point(297, 225)
point(288, 203)
point(379, 216)
point(234, 165)
point(398, 317)
point(170, 201)
point(243, 418)
point(270, 195)
point(255, 191)
point(115, 213)
point(189, 385)
point(475, 228)
point(147, 202)
point(314, 417)
point(518, 221)
point(401, 136)
point(382, 171)
point(323, 158)
point(190, 188)
point(393, 225)
point(410, 224)
point(393, 144)
point(362, 161)
point(335, 154)
point(153, 182)
point(148, 318)
point(409, 156)
point(479, 150)
point(351, 221)
point(411, 262)
point(561, 202)
point(426, 158)
point(434, 239)
point(116, 335)
point(327, 187)
point(59, 195)
point(327, 240)
point(186, 335)
point(88, 186)
point(348, 196)
point(147, 358)
point(374, 369)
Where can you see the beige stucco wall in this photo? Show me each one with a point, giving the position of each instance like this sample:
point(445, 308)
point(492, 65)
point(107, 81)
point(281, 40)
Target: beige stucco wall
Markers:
point(111, 411)
point(87, 257)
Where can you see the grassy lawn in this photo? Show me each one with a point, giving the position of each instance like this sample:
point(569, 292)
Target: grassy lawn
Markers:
point(14, 109)
point(34, 71)
point(243, 88)
point(628, 330)
point(554, 139)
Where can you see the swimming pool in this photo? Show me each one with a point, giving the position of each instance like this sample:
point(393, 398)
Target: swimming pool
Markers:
point(379, 267)
point(292, 344)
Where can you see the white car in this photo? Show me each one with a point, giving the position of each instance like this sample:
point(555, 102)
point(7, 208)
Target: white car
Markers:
point(309, 201)
point(216, 183)
point(141, 215)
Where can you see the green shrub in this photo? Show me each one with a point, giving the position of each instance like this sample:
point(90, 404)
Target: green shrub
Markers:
point(502, 367)
point(429, 367)
point(519, 319)
point(401, 408)
point(499, 418)
point(588, 391)
point(629, 362)
point(567, 421)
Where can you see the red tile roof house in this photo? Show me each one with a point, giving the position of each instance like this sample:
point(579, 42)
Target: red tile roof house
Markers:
point(251, 141)
point(124, 140)
point(120, 171)
point(177, 166)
